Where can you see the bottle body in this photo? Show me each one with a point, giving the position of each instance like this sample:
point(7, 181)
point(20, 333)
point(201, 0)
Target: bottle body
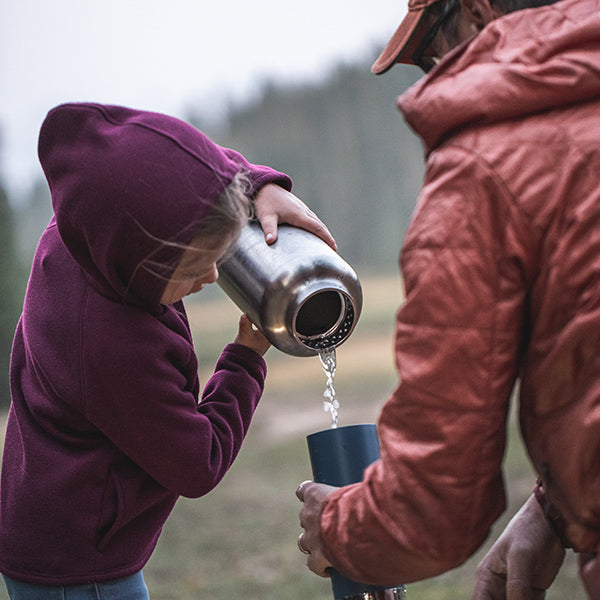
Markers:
point(299, 292)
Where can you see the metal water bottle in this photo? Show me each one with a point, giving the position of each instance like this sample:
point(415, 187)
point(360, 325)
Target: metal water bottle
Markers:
point(299, 292)
point(338, 457)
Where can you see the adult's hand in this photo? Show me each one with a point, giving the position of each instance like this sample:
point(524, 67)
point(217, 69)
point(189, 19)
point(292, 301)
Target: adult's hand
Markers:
point(312, 495)
point(589, 570)
point(274, 205)
point(524, 561)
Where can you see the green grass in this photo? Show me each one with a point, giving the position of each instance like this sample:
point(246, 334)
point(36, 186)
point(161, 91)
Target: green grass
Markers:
point(239, 541)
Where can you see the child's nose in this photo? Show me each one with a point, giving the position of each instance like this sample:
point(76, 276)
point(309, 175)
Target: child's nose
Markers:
point(213, 274)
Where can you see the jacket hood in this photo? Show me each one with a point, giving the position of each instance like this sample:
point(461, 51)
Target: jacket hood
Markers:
point(123, 182)
point(523, 63)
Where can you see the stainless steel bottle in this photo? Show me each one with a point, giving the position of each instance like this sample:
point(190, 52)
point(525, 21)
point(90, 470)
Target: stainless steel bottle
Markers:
point(299, 292)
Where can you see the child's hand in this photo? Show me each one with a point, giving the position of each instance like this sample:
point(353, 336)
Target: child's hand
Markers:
point(251, 337)
point(274, 205)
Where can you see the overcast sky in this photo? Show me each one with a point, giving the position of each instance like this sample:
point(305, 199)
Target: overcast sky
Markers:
point(165, 55)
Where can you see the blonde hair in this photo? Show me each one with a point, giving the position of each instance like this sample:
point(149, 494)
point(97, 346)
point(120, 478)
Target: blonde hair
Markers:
point(231, 212)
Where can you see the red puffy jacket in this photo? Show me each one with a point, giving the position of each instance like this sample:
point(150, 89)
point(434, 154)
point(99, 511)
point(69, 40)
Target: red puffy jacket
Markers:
point(501, 265)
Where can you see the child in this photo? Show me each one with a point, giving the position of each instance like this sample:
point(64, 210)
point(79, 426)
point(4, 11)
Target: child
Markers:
point(105, 429)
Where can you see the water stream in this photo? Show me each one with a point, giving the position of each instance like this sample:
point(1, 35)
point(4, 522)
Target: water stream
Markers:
point(330, 404)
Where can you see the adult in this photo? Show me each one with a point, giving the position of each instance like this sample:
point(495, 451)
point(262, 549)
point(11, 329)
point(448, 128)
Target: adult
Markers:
point(501, 265)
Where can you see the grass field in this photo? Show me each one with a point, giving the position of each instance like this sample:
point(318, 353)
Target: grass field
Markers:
point(239, 541)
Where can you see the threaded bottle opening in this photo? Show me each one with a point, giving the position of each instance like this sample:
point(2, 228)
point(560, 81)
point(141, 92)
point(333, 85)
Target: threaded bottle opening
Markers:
point(324, 320)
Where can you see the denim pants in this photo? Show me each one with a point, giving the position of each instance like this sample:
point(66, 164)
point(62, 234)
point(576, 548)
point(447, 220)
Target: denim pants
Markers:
point(127, 588)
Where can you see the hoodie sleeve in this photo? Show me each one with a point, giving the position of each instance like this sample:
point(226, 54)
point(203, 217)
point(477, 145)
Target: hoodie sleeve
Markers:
point(430, 501)
point(142, 395)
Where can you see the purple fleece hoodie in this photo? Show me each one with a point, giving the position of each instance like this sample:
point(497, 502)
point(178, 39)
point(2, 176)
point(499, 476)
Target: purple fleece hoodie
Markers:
point(105, 430)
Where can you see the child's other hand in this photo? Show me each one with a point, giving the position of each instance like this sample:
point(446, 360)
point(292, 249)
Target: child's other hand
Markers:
point(251, 337)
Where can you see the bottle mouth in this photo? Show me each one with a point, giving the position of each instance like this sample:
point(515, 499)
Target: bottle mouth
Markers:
point(324, 320)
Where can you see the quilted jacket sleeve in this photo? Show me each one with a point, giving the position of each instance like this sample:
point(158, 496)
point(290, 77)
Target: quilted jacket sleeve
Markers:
point(430, 501)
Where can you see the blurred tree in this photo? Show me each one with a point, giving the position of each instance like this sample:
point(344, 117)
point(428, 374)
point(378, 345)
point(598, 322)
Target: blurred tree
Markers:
point(32, 216)
point(350, 154)
point(11, 291)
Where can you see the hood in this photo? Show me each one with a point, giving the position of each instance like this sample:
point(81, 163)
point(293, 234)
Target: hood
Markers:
point(523, 63)
point(123, 182)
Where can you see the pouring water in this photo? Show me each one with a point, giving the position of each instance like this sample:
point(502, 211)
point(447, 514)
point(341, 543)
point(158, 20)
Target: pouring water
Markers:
point(330, 404)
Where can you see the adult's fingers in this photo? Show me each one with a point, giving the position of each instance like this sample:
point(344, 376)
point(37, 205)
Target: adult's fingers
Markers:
point(300, 490)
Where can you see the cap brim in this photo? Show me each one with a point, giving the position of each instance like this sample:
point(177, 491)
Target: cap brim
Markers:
point(402, 45)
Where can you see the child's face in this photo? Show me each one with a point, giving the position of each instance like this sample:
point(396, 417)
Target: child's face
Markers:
point(197, 267)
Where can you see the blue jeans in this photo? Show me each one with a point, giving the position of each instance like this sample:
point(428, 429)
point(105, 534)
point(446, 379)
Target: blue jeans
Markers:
point(127, 588)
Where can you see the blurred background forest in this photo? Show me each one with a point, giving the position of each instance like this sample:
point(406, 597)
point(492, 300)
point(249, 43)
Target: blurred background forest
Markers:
point(352, 159)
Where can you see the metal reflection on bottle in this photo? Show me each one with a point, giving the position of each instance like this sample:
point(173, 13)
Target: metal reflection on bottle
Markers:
point(298, 291)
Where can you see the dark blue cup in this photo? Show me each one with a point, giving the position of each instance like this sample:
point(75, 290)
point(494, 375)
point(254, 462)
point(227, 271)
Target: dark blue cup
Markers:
point(339, 456)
